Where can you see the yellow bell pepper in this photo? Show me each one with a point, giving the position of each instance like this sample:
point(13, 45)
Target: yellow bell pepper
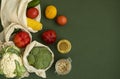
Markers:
point(35, 25)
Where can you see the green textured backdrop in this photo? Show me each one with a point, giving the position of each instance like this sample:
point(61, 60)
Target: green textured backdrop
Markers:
point(94, 30)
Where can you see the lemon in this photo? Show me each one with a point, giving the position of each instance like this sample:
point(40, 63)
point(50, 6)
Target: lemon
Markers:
point(64, 46)
point(50, 12)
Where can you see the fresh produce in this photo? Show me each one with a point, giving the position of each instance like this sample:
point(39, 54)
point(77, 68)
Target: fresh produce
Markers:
point(33, 3)
point(49, 36)
point(61, 20)
point(37, 58)
point(11, 63)
point(64, 46)
point(21, 39)
point(63, 66)
point(50, 12)
point(35, 25)
point(40, 57)
point(32, 13)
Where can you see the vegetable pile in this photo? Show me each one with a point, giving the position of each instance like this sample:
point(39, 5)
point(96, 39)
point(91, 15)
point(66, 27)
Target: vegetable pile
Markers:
point(11, 62)
point(19, 54)
point(62, 66)
point(40, 57)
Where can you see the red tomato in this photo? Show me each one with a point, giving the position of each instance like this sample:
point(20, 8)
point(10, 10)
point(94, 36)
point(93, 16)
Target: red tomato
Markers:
point(21, 39)
point(49, 36)
point(61, 20)
point(32, 13)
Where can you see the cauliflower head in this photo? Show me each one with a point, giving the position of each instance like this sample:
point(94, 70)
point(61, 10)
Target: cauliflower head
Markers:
point(10, 62)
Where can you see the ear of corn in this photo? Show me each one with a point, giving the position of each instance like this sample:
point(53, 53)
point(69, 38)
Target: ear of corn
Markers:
point(35, 25)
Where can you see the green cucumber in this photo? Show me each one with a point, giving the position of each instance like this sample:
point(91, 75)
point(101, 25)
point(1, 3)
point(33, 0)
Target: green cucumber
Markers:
point(33, 3)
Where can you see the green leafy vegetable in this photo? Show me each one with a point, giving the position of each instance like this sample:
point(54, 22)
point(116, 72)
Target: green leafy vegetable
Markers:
point(20, 70)
point(2, 51)
point(35, 51)
point(42, 57)
point(13, 49)
point(1, 72)
point(10, 49)
point(31, 59)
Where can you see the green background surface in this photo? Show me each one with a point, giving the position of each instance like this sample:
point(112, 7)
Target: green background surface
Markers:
point(94, 30)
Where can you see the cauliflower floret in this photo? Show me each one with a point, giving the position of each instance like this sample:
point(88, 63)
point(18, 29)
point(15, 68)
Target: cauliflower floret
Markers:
point(8, 64)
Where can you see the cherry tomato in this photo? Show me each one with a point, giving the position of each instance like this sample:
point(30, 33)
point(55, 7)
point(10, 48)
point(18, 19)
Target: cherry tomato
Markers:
point(49, 36)
point(21, 39)
point(32, 13)
point(61, 20)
